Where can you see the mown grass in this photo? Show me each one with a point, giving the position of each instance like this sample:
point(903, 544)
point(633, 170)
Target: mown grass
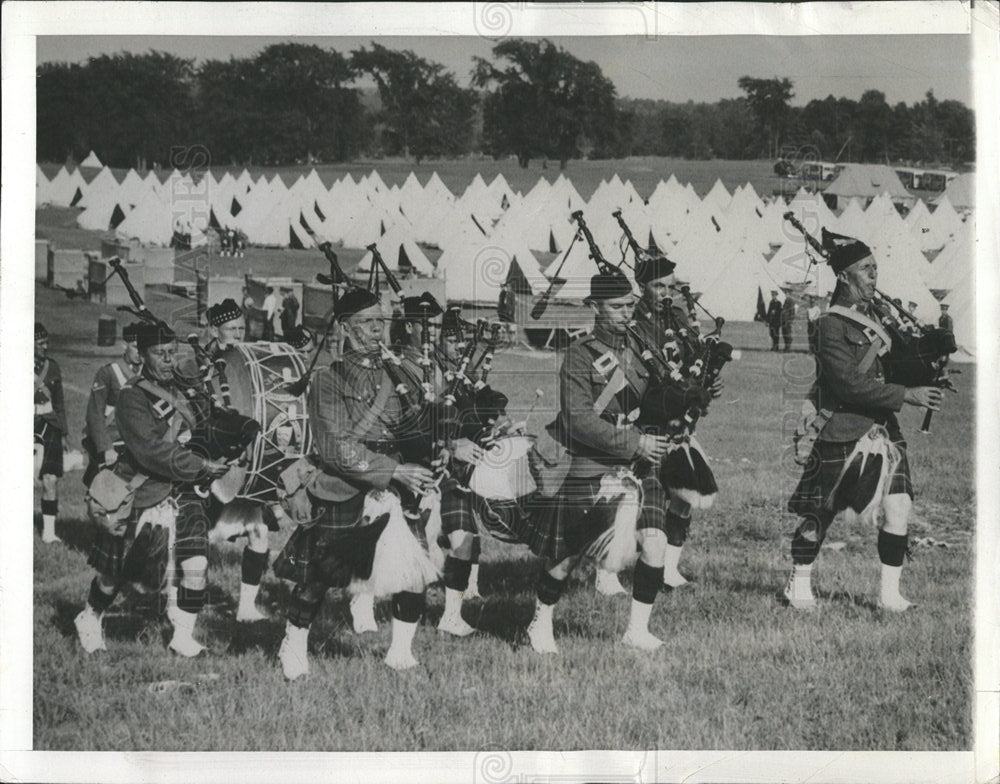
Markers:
point(738, 670)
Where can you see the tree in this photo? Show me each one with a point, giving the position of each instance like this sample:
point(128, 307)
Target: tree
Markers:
point(424, 111)
point(873, 122)
point(769, 101)
point(544, 101)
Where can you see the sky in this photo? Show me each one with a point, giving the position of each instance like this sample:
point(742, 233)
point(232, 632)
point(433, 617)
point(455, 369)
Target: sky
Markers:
point(673, 68)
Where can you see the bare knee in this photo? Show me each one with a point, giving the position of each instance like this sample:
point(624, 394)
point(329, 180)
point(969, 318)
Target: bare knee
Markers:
point(257, 536)
point(562, 569)
point(653, 544)
point(897, 513)
point(461, 545)
point(194, 573)
point(49, 487)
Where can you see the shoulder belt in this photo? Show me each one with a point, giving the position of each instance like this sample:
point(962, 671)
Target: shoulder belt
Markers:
point(40, 376)
point(164, 404)
point(881, 342)
point(119, 373)
point(603, 362)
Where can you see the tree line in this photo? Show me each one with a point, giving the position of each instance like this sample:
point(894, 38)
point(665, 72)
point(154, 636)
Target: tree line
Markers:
point(302, 104)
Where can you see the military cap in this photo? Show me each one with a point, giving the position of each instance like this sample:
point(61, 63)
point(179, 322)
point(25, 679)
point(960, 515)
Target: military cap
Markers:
point(223, 312)
point(653, 267)
point(354, 301)
point(944, 306)
point(843, 251)
point(608, 285)
point(40, 331)
point(415, 307)
point(130, 332)
point(149, 334)
point(299, 337)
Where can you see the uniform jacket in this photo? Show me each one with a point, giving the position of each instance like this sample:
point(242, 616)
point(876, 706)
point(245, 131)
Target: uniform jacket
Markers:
point(100, 429)
point(945, 322)
point(355, 438)
point(858, 399)
point(599, 440)
point(50, 403)
point(774, 313)
point(145, 426)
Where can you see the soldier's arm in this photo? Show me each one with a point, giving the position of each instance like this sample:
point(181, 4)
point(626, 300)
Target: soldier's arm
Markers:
point(576, 396)
point(839, 369)
point(154, 455)
point(339, 445)
point(97, 427)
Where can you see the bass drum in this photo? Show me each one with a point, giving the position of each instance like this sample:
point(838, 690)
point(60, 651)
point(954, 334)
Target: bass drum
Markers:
point(257, 375)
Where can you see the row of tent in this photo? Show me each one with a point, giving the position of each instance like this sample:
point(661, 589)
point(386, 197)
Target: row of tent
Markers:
point(727, 245)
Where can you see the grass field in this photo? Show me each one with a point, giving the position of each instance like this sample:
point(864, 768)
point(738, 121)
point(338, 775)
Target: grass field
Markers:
point(738, 670)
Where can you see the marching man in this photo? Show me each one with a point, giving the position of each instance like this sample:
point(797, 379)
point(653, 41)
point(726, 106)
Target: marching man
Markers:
point(601, 381)
point(859, 409)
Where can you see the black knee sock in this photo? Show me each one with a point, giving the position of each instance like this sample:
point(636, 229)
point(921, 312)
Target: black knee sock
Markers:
point(302, 605)
point(646, 582)
point(891, 548)
point(477, 550)
point(253, 566)
point(549, 588)
point(190, 599)
point(407, 606)
point(807, 541)
point(677, 528)
point(97, 599)
point(456, 573)
point(50, 507)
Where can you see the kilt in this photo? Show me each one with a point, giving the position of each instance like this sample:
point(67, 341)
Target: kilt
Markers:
point(569, 523)
point(143, 558)
point(456, 508)
point(50, 438)
point(823, 467)
point(338, 547)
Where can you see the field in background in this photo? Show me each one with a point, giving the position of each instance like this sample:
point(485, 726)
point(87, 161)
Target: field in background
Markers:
point(738, 670)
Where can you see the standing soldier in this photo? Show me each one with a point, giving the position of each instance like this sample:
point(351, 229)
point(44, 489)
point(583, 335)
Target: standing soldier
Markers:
point(812, 324)
point(361, 410)
point(857, 419)
point(100, 435)
point(660, 321)
point(50, 430)
point(289, 310)
point(507, 310)
point(168, 526)
point(601, 382)
point(774, 319)
point(787, 319)
point(945, 320)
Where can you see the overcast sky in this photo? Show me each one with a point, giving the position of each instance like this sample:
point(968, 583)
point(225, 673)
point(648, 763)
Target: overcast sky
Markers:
point(675, 68)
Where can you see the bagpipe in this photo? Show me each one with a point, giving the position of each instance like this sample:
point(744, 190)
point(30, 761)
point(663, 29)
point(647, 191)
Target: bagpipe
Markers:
point(919, 353)
point(690, 360)
point(220, 432)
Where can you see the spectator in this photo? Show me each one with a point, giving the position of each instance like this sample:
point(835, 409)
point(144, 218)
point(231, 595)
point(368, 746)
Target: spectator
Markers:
point(289, 311)
point(787, 318)
point(270, 309)
point(945, 321)
point(774, 319)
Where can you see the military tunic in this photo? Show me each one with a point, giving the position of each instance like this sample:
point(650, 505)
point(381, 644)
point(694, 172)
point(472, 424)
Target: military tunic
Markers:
point(50, 415)
point(601, 383)
point(858, 398)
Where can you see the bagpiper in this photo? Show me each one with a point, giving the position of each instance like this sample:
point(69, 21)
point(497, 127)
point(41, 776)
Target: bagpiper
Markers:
point(50, 430)
point(601, 382)
point(859, 458)
point(669, 328)
point(360, 413)
point(167, 528)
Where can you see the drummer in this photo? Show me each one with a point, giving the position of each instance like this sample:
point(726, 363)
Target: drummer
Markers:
point(227, 330)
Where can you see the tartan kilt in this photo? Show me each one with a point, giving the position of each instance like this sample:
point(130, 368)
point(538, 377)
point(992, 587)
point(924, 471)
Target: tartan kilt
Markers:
point(823, 467)
point(337, 548)
point(573, 520)
point(142, 558)
point(50, 439)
